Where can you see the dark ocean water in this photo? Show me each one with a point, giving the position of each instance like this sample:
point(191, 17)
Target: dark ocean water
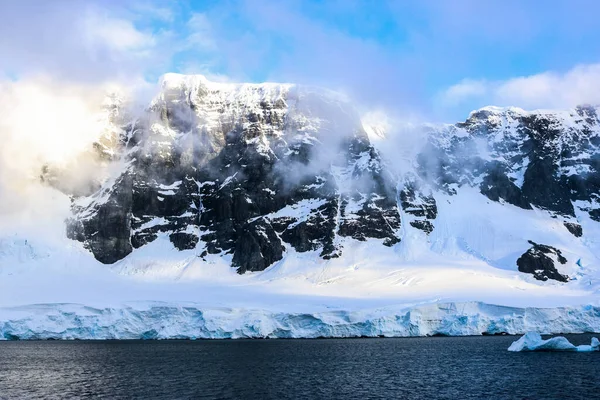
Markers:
point(411, 368)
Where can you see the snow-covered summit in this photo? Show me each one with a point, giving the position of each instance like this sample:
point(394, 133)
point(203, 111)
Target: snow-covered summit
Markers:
point(248, 168)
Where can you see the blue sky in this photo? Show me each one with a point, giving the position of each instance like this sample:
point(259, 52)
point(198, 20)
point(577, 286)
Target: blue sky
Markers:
point(433, 59)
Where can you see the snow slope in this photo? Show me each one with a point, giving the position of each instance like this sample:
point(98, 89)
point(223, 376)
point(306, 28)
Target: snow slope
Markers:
point(444, 284)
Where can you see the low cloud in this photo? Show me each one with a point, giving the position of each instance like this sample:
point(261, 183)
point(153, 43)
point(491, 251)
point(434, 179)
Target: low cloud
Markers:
point(553, 90)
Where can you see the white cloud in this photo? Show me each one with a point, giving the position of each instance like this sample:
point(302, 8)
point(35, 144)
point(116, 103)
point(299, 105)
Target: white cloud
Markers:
point(147, 10)
point(46, 122)
point(555, 90)
point(466, 89)
point(200, 36)
point(62, 58)
point(117, 34)
point(74, 41)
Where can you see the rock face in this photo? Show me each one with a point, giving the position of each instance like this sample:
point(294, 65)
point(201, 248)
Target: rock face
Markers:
point(574, 228)
point(547, 160)
point(541, 260)
point(251, 172)
point(245, 170)
point(421, 209)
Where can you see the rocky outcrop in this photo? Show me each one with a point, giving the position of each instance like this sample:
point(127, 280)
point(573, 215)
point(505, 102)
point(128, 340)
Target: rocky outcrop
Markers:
point(574, 228)
point(421, 208)
point(541, 260)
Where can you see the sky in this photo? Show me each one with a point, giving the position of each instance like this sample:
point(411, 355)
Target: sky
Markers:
point(428, 59)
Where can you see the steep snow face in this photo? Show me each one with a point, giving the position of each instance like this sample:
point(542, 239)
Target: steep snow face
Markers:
point(544, 161)
point(241, 170)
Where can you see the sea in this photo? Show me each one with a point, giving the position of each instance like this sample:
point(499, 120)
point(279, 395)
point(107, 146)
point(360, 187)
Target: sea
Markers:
point(362, 368)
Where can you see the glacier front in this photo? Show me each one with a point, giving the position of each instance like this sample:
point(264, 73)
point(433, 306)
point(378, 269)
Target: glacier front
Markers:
point(156, 320)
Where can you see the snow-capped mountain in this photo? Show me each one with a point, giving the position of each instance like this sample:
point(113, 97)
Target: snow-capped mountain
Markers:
point(283, 199)
point(241, 170)
point(544, 159)
point(249, 171)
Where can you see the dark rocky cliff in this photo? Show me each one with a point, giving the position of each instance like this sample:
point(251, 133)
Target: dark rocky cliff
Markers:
point(243, 170)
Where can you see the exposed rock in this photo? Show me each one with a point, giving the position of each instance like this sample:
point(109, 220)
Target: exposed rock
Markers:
point(422, 208)
point(183, 240)
point(540, 260)
point(425, 226)
point(574, 228)
point(544, 159)
point(496, 185)
point(257, 247)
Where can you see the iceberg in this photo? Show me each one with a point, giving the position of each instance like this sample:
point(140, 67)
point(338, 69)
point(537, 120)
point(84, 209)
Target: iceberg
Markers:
point(532, 341)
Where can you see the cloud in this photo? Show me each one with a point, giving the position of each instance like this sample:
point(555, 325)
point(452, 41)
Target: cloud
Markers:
point(116, 34)
point(47, 123)
point(58, 61)
point(553, 90)
point(466, 89)
point(146, 9)
point(283, 42)
point(88, 41)
point(200, 32)
point(392, 55)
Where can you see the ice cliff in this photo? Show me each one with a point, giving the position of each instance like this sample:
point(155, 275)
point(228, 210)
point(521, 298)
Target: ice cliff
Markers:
point(190, 321)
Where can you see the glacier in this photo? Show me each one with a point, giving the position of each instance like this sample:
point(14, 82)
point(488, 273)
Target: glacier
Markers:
point(532, 341)
point(161, 320)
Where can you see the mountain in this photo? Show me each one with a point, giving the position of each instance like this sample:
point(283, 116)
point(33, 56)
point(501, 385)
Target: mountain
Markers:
point(541, 160)
point(276, 210)
point(248, 171)
point(241, 170)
